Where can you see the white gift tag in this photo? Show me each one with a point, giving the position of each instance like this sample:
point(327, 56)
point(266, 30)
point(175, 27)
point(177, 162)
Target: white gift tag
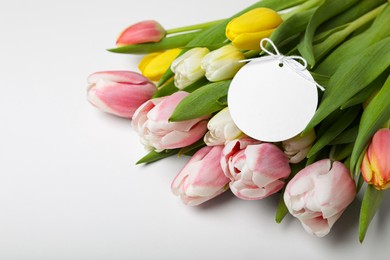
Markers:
point(272, 98)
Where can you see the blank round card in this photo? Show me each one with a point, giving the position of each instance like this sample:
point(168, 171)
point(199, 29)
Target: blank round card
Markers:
point(272, 101)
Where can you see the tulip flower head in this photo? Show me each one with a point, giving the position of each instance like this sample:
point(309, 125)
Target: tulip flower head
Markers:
point(319, 194)
point(296, 148)
point(376, 162)
point(256, 170)
point(221, 129)
point(119, 92)
point(142, 32)
point(187, 67)
point(151, 122)
point(154, 65)
point(202, 177)
point(222, 63)
point(247, 30)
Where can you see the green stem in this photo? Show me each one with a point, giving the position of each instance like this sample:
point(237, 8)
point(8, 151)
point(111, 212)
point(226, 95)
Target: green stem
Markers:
point(194, 27)
point(303, 7)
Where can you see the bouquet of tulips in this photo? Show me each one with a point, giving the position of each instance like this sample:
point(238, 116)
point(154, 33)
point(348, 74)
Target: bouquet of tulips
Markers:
point(178, 105)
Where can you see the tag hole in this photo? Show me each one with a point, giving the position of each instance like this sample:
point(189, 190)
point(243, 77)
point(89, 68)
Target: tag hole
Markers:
point(281, 64)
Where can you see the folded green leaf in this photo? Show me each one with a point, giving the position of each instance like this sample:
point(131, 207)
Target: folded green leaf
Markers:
point(359, 9)
point(373, 118)
point(290, 27)
point(356, 45)
point(351, 77)
point(175, 41)
point(201, 102)
point(346, 137)
point(282, 210)
point(191, 149)
point(327, 10)
point(166, 90)
point(154, 156)
point(371, 201)
point(334, 130)
point(323, 48)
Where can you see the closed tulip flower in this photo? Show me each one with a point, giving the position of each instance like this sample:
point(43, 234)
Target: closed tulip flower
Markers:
point(154, 65)
point(319, 194)
point(296, 148)
point(119, 92)
point(202, 177)
point(221, 129)
point(142, 32)
point(151, 122)
point(256, 170)
point(247, 30)
point(376, 162)
point(187, 67)
point(222, 63)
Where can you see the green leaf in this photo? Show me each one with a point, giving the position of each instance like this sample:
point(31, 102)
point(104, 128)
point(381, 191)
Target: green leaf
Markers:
point(356, 45)
point(166, 90)
point(346, 137)
point(176, 41)
point(290, 27)
point(371, 201)
point(334, 130)
point(327, 10)
point(153, 156)
point(366, 93)
point(282, 210)
point(201, 102)
point(351, 77)
point(351, 14)
point(373, 118)
point(190, 150)
point(323, 48)
point(197, 84)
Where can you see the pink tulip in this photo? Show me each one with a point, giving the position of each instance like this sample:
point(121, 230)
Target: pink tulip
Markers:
point(151, 121)
point(119, 92)
point(142, 32)
point(319, 194)
point(376, 162)
point(202, 177)
point(256, 170)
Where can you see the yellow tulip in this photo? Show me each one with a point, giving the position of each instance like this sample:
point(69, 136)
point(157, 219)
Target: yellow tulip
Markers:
point(247, 30)
point(154, 65)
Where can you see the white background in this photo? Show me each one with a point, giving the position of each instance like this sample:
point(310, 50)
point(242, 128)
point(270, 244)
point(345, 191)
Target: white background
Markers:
point(69, 188)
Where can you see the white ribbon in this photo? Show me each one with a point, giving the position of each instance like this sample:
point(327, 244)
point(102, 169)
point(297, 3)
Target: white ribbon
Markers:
point(289, 61)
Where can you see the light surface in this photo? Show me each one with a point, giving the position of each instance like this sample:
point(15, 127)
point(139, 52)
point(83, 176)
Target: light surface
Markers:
point(69, 188)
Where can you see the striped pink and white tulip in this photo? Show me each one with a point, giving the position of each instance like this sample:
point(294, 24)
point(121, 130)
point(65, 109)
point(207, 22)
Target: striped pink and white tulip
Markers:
point(256, 170)
point(141, 32)
point(202, 177)
point(151, 122)
point(119, 92)
point(319, 194)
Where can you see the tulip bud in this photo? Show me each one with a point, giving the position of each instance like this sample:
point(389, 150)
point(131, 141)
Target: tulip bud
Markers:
point(119, 92)
point(222, 63)
point(376, 162)
point(256, 170)
point(221, 129)
point(202, 177)
point(142, 32)
point(151, 122)
point(187, 67)
point(319, 194)
point(247, 30)
point(296, 148)
point(154, 65)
